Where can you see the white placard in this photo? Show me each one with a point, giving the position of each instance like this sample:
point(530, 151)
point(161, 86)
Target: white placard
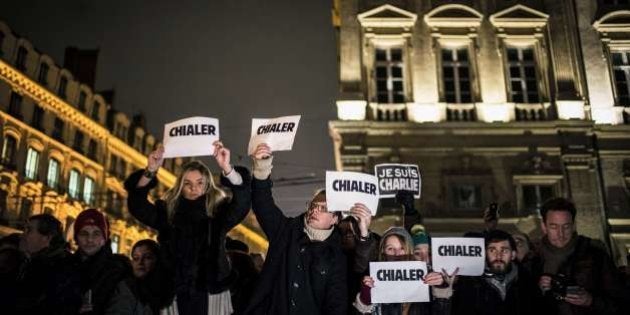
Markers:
point(191, 136)
point(277, 133)
point(395, 177)
point(344, 189)
point(399, 282)
point(466, 253)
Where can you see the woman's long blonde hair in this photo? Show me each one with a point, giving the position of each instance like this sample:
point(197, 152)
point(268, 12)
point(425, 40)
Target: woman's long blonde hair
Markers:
point(214, 194)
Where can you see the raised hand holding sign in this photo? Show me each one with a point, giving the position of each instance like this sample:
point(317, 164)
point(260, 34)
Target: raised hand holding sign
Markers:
point(193, 136)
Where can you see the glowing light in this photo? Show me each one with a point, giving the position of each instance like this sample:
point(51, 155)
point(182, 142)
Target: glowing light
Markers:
point(351, 110)
point(607, 116)
point(425, 112)
point(495, 112)
point(570, 109)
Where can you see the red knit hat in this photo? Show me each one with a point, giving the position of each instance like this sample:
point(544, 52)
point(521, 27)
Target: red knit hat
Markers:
point(91, 217)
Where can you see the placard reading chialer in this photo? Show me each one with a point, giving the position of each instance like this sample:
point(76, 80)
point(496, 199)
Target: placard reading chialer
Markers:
point(344, 189)
point(466, 253)
point(399, 282)
point(395, 177)
point(277, 133)
point(191, 136)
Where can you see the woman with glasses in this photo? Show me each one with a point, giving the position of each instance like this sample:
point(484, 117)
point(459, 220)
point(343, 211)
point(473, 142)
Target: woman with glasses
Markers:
point(305, 269)
point(192, 223)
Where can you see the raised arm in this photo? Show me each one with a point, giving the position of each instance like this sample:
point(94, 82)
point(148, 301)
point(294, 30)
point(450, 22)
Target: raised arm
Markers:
point(269, 216)
point(138, 185)
point(137, 202)
point(236, 210)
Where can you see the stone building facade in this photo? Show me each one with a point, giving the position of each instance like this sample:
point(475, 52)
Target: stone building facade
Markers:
point(497, 101)
point(64, 147)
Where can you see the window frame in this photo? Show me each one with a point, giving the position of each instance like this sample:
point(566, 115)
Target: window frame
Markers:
point(625, 51)
point(74, 191)
point(455, 65)
point(62, 89)
point(38, 117)
point(389, 64)
point(42, 76)
point(9, 160)
point(31, 165)
point(519, 181)
point(15, 104)
point(53, 182)
point(523, 79)
point(20, 58)
point(89, 189)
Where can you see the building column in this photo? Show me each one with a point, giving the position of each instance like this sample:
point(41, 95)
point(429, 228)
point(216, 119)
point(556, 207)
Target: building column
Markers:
point(584, 187)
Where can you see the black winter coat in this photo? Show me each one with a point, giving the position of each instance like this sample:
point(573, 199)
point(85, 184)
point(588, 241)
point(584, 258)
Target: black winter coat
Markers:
point(590, 267)
point(47, 285)
point(101, 273)
point(435, 307)
point(299, 276)
point(474, 295)
point(194, 244)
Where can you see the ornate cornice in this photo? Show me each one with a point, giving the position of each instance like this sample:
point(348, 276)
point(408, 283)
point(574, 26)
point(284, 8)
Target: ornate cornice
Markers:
point(24, 85)
point(51, 102)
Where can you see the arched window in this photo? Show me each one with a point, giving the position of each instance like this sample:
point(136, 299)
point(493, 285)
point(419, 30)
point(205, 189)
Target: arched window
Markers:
point(63, 86)
point(88, 190)
point(8, 151)
point(20, 61)
point(73, 183)
point(43, 73)
point(52, 179)
point(32, 164)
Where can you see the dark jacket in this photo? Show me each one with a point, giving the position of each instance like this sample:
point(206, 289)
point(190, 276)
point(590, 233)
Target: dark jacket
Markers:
point(299, 276)
point(247, 277)
point(193, 243)
point(45, 284)
point(590, 267)
point(155, 290)
point(435, 307)
point(358, 262)
point(474, 295)
point(101, 274)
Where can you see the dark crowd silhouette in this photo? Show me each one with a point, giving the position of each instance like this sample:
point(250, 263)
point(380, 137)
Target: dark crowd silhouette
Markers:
point(316, 263)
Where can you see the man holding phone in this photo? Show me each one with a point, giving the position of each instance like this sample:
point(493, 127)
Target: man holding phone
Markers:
point(576, 274)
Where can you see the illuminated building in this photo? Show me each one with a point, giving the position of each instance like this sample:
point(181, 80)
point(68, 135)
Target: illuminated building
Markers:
point(497, 101)
point(64, 148)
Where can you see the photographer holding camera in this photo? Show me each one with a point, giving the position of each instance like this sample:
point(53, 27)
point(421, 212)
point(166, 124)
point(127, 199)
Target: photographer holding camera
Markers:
point(576, 274)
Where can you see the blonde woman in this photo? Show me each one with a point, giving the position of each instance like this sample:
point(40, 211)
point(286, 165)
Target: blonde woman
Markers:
point(192, 222)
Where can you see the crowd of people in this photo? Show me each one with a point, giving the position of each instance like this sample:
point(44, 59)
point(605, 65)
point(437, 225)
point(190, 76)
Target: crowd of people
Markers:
point(316, 263)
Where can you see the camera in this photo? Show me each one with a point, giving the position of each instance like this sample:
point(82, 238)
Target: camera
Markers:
point(561, 285)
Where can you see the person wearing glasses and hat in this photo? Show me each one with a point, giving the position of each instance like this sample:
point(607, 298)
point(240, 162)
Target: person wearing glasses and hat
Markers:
point(305, 270)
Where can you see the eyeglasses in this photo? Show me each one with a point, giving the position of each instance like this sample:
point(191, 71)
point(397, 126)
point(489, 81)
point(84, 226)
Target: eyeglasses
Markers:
point(319, 206)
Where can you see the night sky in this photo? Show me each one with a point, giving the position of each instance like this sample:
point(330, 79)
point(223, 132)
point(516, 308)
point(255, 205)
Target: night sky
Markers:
point(230, 59)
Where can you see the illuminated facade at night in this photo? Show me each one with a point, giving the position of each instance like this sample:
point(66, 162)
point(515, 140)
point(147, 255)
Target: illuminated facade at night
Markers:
point(64, 148)
point(497, 101)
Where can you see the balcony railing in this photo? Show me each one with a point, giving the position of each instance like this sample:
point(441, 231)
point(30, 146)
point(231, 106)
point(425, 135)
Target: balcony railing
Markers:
point(531, 112)
point(389, 112)
point(461, 112)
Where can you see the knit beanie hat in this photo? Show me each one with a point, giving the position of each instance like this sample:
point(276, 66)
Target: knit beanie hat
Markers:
point(91, 217)
point(419, 235)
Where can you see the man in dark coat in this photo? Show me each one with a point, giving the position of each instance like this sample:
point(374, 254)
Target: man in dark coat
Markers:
point(44, 282)
point(305, 269)
point(505, 288)
point(575, 272)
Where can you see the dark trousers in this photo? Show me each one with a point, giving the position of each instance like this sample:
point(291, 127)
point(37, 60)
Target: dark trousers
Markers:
point(192, 302)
